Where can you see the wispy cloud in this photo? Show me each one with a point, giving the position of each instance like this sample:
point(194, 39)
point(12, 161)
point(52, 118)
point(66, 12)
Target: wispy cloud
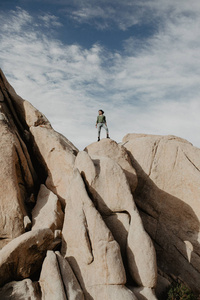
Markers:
point(104, 14)
point(150, 87)
point(125, 14)
point(16, 21)
point(50, 20)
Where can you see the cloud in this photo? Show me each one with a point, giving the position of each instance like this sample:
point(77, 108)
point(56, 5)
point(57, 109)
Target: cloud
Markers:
point(58, 79)
point(109, 14)
point(149, 87)
point(18, 19)
point(50, 20)
point(104, 15)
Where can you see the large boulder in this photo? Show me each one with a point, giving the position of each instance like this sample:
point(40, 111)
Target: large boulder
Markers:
point(109, 148)
point(72, 287)
point(110, 191)
point(17, 175)
point(24, 255)
point(93, 253)
point(23, 113)
point(163, 284)
point(47, 212)
point(58, 155)
point(57, 279)
point(50, 279)
point(112, 292)
point(52, 153)
point(20, 290)
point(144, 293)
point(14, 176)
point(167, 195)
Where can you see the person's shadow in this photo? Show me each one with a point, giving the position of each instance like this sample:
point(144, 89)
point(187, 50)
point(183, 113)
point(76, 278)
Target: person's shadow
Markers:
point(173, 227)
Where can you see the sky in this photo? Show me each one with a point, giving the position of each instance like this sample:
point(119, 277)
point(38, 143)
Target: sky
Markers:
point(138, 60)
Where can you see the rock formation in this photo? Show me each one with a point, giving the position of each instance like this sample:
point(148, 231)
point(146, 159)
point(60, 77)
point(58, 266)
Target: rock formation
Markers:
point(93, 224)
point(168, 198)
point(47, 212)
point(111, 193)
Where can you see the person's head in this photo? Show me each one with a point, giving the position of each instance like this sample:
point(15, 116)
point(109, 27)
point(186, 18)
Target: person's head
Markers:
point(101, 112)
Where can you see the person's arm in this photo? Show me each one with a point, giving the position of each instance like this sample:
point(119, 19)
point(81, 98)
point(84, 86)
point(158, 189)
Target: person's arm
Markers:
point(97, 121)
point(105, 120)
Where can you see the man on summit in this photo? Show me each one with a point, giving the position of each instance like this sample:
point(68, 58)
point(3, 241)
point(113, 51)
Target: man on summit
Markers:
point(101, 122)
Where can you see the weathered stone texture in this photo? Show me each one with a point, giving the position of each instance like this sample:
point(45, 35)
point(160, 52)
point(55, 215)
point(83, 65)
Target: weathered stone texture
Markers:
point(168, 170)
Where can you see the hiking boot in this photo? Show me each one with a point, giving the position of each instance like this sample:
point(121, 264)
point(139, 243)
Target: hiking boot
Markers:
point(98, 139)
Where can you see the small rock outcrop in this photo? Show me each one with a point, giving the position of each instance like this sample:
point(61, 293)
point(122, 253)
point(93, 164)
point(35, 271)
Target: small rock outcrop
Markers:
point(112, 222)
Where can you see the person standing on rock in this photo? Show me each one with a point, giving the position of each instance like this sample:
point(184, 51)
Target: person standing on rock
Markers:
point(101, 122)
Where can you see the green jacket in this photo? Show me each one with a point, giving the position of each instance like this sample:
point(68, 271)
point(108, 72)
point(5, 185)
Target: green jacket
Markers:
point(101, 119)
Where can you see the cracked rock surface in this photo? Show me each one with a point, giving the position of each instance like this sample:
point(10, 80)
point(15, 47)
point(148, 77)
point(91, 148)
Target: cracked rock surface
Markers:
point(100, 224)
point(168, 196)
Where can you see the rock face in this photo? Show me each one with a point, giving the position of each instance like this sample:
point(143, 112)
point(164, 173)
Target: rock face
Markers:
point(17, 175)
point(50, 279)
point(168, 197)
point(118, 153)
point(139, 249)
point(95, 255)
point(58, 155)
point(23, 256)
point(16, 290)
point(84, 225)
point(71, 285)
point(47, 212)
point(57, 279)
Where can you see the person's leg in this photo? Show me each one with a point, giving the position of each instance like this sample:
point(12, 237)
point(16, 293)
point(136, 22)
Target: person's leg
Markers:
point(106, 128)
point(99, 125)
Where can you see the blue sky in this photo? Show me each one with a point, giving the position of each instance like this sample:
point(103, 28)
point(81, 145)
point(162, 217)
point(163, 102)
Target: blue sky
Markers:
point(139, 61)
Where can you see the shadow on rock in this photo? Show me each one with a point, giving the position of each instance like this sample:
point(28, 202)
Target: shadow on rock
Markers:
point(173, 226)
